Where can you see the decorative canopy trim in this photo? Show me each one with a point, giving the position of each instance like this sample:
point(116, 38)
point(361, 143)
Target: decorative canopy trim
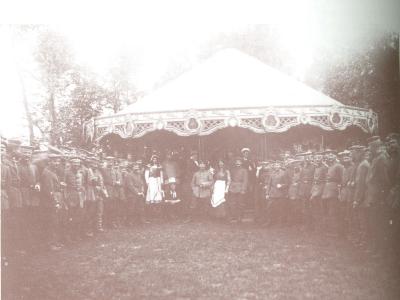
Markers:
point(258, 120)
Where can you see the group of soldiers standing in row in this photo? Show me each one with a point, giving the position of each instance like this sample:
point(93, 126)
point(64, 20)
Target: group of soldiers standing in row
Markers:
point(59, 199)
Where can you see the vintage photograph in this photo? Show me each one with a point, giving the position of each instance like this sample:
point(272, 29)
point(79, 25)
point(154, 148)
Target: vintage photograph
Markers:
point(164, 152)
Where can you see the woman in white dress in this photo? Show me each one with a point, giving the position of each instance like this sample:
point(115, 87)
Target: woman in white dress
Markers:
point(222, 180)
point(154, 180)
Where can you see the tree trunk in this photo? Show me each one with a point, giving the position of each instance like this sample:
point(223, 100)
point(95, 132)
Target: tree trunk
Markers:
point(26, 106)
point(53, 120)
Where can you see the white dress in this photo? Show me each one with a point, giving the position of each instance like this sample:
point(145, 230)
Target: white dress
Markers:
point(154, 182)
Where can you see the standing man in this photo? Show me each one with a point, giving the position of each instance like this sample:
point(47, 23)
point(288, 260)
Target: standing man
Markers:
point(250, 166)
point(134, 185)
point(108, 174)
point(306, 180)
point(330, 194)
point(53, 204)
point(277, 194)
point(346, 192)
point(378, 185)
point(313, 209)
point(263, 175)
point(75, 180)
point(237, 191)
point(360, 209)
point(201, 187)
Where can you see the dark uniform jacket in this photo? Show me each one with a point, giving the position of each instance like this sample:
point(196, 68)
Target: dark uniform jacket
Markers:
point(319, 181)
point(75, 187)
point(28, 176)
point(239, 180)
point(306, 180)
point(279, 184)
point(134, 184)
point(378, 182)
point(333, 183)
point(294, 185)
point(347, 189)
point(50, 188)
point(360, 181)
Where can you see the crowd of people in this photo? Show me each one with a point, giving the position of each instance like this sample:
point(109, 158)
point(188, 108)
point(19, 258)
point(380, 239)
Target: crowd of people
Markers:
point(60, 199)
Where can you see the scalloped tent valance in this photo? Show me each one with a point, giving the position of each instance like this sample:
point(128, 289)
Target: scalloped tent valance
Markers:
point(231, 89)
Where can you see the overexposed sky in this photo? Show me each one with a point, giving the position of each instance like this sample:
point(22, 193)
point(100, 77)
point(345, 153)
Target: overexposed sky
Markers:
point(156, 33)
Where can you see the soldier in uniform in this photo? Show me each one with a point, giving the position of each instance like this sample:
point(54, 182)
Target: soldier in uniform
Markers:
point(295, 205)
point(346, 192)
point(263, 174)
point(277, 194)
point(330, 194)
point(237, 191)
point(378, 185)
point(360, 210)
point(134, 185)
point(108, 173)
point(94, 198)
point(76, 181)
point(250, 166)
point(53, 203)
point(314, 207)
point(29, 187)
point(306, 179)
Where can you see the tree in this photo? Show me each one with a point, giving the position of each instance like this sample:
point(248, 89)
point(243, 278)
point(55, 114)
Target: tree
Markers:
point(55, 61)
point(121, 90)
point(370, 79)
point(84, 100)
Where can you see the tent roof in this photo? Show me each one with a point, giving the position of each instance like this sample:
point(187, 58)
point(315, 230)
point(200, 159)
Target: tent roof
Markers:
point(230, 79)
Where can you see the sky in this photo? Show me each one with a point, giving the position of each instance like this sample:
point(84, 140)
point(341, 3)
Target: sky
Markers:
point(156, 33)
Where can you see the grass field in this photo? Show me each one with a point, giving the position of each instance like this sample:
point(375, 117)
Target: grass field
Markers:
point(202, 260)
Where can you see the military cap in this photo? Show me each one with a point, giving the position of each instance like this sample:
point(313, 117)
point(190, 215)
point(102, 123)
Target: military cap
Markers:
point(245, 150)
point(154, 156)
point(374, 139)
point(329, 151)
point(344, 153)
point(357, 148)
point(110, 158)
point(393, 136)
point(75, 159)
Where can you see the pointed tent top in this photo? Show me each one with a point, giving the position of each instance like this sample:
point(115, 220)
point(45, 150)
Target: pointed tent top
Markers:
point(230, 79)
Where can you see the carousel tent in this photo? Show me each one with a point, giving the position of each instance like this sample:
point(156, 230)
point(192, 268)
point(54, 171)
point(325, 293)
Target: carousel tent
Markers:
point(231, 89)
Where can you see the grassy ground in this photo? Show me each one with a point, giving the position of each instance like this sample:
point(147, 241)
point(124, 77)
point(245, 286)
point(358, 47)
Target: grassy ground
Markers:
point(203, 261)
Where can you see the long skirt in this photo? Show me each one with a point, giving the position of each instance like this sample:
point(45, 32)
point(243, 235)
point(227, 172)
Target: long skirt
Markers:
point(218, 199)
point(154, 194)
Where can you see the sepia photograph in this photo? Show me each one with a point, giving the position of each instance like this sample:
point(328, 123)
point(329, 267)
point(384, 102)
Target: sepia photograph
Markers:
point(200, 150)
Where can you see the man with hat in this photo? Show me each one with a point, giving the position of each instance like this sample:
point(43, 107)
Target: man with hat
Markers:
point(346, 193)
point(313, 209)
point(277, 194)
point(378, 186)
point(249, 165)
point(110, 206)
point(94, 205)
point(237, 191)
point(360, 213)
point(330, 194)
point(52, 204)
point(173, 203)
point(134, 186)
point(306, 178)
point(201, 185)
point(76, 181)
point(263, 175)
point(30, 187)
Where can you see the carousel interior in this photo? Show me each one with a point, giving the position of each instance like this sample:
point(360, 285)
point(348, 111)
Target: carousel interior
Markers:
point(232, 139)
